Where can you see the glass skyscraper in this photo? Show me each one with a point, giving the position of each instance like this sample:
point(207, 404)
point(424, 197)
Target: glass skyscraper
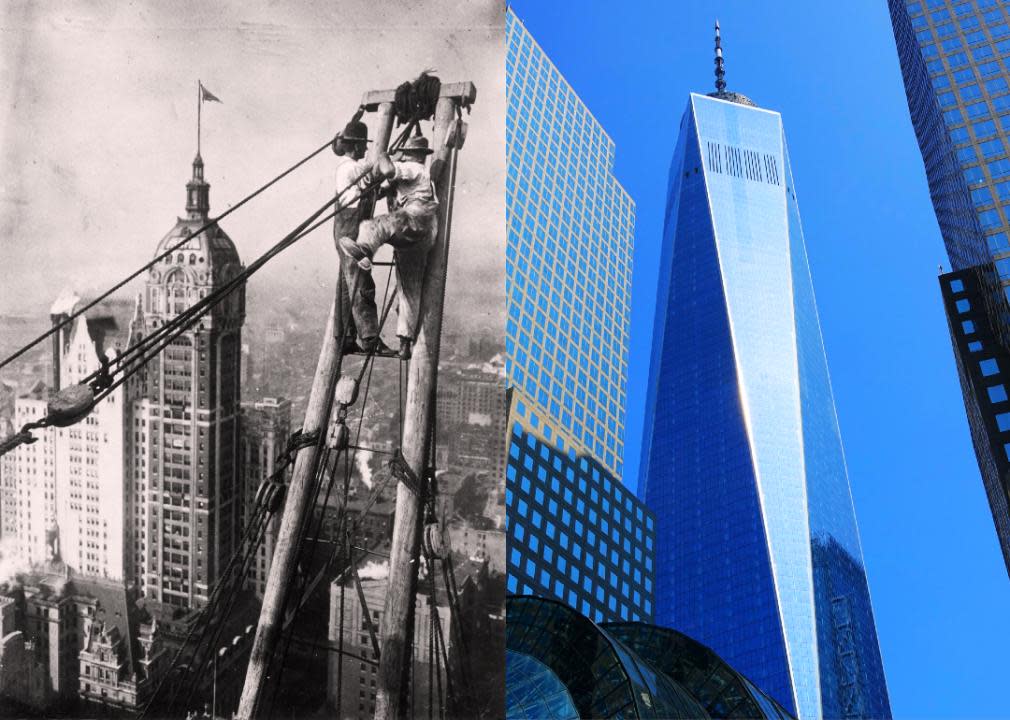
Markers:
point(568, 261)
point(758, 554)
point(574, 532)
point(955, 61)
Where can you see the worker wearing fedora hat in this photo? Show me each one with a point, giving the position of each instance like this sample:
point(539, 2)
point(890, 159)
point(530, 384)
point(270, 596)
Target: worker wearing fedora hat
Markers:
point(352, 177)
point(410, 228)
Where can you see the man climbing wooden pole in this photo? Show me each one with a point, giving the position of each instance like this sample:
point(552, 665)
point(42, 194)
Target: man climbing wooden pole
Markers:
point(297, 508)
point(397, 627)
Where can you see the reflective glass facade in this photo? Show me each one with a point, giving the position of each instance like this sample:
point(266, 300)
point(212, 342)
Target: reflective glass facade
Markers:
point(983, 366)
point(574, 532)
point(758, 554)
point(955, 61)
point(625, 670)
point(569, 256)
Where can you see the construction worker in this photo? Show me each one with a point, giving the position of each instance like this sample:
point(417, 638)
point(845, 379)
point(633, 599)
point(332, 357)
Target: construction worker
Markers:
point(410, 228)
point(352, 176)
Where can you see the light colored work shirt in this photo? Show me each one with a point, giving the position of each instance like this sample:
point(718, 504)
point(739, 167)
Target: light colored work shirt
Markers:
point(348, 171)
point(412, 183)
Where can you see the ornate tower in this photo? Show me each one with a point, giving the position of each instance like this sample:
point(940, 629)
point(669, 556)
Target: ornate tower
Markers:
point(186, 415)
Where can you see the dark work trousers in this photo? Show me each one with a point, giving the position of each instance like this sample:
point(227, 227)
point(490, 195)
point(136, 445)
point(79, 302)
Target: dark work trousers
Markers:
point(359, 313)
point(411, 232)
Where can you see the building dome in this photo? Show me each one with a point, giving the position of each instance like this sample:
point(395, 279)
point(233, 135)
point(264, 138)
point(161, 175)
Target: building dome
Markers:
point(205, 259)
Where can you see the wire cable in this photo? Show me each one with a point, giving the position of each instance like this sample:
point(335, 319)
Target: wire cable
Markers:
point(206, 226)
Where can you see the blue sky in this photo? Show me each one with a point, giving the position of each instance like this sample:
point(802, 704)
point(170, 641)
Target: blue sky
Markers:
point(939, 586)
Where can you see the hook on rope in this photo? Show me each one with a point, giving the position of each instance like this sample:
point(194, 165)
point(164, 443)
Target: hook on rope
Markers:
point(340, 436)
point(21, 438)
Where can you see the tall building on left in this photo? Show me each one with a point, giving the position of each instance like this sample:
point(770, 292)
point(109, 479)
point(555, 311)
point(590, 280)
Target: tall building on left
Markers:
point(185, 453)
point(70, 497)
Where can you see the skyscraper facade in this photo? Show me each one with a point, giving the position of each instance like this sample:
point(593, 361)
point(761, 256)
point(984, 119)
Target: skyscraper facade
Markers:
point(186, 415)
point(983, 366)
point(569, 256)
point(71, 499)
point(573, 531)
point(758, 554)
point(266, 425)
point(955, 61)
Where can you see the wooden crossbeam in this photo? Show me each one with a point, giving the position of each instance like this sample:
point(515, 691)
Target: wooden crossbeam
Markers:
point(464, 92)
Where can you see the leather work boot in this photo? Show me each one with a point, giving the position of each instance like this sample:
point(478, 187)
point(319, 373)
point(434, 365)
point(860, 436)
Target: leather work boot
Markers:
point(350, 347)
point(358, 253)
point(376, 346)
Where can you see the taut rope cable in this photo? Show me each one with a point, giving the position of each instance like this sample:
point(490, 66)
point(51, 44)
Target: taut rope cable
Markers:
point(206, 226)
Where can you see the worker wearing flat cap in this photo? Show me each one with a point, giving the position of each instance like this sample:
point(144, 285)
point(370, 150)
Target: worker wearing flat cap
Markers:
point(410, 228)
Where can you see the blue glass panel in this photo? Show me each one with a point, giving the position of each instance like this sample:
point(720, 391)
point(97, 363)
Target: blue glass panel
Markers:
point(724, 599)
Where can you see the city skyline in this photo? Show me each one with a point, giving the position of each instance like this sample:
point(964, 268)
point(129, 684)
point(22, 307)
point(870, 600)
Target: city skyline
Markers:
point(667, 460)
point(924, 520)
point(282, 73)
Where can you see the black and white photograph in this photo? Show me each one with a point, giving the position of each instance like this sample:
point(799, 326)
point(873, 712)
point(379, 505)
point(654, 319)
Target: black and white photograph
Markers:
point(252, 359)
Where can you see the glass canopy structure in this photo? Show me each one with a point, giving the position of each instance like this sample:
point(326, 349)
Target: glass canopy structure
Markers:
point(560, 665)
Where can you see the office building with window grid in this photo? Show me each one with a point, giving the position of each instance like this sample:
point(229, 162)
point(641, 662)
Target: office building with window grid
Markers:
point(757, 551)
point(574, 532)
point(955, 61)
point(569, 256)
point(983, 366)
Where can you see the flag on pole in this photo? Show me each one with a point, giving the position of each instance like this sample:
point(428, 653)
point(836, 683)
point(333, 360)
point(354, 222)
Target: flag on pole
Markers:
point(207, 96)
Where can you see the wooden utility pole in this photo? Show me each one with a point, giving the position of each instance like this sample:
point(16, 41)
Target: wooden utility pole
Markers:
point(297, 510)
point(296, 507)
point(396, 631)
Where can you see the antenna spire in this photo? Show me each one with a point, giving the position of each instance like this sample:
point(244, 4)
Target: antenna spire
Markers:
point(720, 70)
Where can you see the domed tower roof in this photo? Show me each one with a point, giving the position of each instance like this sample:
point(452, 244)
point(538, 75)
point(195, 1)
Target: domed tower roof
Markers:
point(721, 93)
point(211, 250)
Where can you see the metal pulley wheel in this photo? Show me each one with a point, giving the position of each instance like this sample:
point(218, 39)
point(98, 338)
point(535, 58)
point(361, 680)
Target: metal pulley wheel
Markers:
point(274, 496)
point(347, 390)
point(70, 405)
point(433, 540)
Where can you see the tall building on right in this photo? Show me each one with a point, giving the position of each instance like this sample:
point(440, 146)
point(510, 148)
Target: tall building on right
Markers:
point(757, 551)
point(955, 62)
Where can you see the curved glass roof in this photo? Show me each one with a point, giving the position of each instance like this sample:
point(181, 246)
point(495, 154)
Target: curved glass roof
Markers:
point(561, 665)
point(603, 677)
point(723, 691)
point(534, 692)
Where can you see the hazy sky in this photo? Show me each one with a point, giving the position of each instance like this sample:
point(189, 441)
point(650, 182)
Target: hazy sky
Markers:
point(98, 129)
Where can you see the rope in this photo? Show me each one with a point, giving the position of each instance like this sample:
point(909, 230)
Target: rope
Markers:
point(165, 335)
point(200, 620)
point(209, 224)
point(302, 593)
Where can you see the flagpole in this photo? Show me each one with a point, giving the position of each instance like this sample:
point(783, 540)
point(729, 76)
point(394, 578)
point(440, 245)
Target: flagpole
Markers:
point(198, 104)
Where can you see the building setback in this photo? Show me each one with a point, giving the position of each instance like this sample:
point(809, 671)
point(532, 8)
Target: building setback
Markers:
point(572, 531)
point(757, 550)
point(955, 62)
point(568, 258)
